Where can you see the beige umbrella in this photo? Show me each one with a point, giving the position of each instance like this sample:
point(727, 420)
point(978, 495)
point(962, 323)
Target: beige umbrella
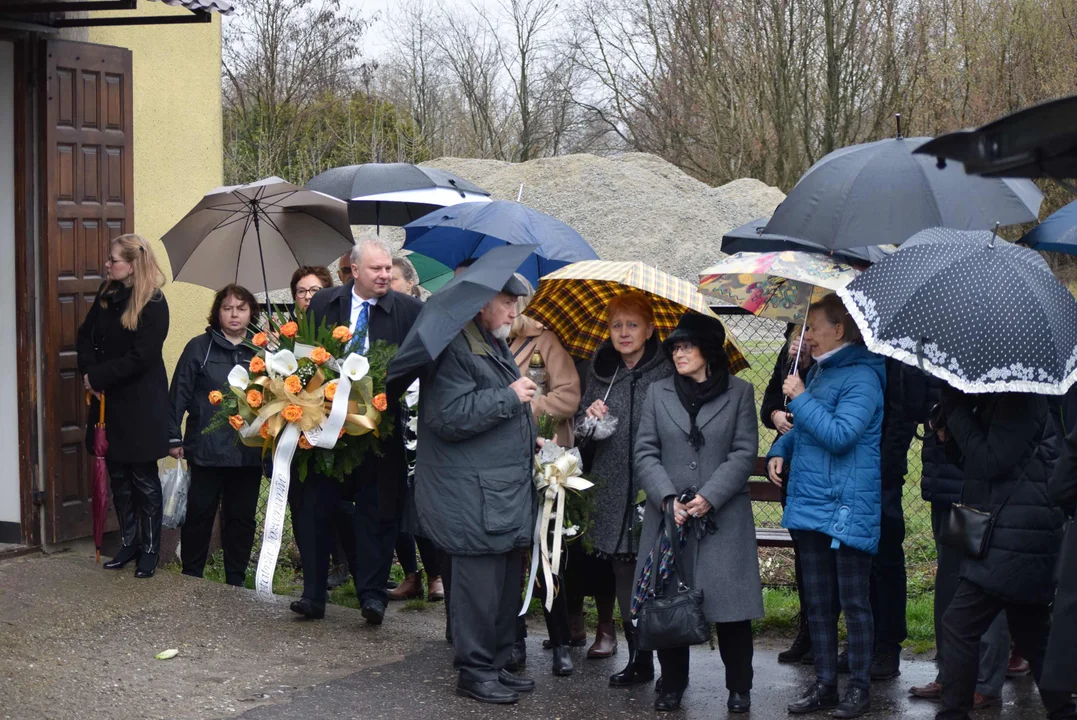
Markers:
point(257, 235)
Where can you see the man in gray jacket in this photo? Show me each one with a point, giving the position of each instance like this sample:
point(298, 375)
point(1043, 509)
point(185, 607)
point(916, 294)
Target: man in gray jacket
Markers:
point(474, 491)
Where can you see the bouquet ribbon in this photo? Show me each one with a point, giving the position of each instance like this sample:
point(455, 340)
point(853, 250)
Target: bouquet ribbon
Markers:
point(553, 479)
point(275, 507)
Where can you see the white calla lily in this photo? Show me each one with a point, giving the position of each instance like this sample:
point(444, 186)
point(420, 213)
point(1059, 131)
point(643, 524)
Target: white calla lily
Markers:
point(282, 363)
point(239, 378)
point(355, 367)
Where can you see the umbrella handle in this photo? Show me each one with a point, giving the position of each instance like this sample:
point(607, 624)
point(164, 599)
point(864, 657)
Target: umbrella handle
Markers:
point(101, 411)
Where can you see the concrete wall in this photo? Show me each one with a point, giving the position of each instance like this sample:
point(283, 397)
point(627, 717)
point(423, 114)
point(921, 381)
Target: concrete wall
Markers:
point(178, 145)
point(9, 410)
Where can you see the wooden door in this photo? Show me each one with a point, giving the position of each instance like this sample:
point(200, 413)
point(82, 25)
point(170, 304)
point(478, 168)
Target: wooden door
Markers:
point(87, 169)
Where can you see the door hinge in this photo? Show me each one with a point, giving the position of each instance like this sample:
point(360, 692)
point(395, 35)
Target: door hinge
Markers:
point(39, 497)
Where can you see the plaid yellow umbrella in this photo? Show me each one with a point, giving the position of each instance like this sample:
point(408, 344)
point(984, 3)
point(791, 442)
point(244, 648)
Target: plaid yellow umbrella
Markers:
point(572, 302)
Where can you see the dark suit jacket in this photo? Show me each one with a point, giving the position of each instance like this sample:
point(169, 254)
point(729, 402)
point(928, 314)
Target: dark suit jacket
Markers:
point(390, 320)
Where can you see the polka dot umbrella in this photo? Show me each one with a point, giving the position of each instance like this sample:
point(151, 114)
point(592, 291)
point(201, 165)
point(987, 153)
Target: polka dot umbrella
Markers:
point(971, 309)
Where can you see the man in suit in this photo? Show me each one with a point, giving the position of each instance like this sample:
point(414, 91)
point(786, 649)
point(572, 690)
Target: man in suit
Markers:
point(373, 312)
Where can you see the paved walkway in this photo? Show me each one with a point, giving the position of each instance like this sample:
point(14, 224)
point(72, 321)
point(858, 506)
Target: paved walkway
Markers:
point(78, 642)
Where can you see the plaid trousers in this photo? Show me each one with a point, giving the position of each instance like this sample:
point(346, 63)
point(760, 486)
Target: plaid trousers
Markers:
point(837, 580)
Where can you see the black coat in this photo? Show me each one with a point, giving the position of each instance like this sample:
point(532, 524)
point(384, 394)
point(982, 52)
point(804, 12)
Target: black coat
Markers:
point(899, 423)
point(942, 477)
point(390, 320)
point(773, 397)
point(1004, 438)
point(129, 368)
point(1060, 663)
point(203, 367)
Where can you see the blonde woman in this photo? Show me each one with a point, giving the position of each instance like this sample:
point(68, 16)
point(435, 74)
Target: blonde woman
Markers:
point(119, 357)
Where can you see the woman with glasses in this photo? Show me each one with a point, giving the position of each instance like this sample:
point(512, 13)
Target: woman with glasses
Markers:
point(120, 359)
point(224, 473)
point(697, 443)
point(306, 282)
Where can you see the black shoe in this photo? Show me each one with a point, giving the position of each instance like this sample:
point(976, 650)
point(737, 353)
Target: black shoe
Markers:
point(668, 701)
point(562, 662)
point(126, 554)
point(308, 608)
point(490, 691)
point(886, 663)
point(518, 658)
point(147, 565)
point(373, 611)
point(515, 682)
point(800, 648)
point(808, 659)
point(856, 702)
point(739, 702)
point(817, 697)
point(658, 685)
point(338, 576)
point(640, 668)
point(843, 661)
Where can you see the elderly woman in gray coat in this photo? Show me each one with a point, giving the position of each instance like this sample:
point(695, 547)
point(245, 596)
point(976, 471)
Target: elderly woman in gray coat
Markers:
point(698, 437)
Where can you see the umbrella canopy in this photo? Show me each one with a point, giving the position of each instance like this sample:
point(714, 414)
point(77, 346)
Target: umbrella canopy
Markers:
point(432, 274)
point(257, 235)
point(1058, 233)
point(100, 479)
point(572, 302)
point(1037, 142)
point(363, 183)
point(752, 237)
point(880, 193)
point(779, 285)
point(468, 230)
point(973, 310)
point(447, 311)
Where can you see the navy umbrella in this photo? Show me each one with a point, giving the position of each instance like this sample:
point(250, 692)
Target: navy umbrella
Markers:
point(971, 309)
point(469, 230)
point(1058, 233)
point(447, 311)
point(880, 193)
point(752, 237)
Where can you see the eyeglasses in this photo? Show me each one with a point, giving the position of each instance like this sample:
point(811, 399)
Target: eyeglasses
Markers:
point(306, 292)
point(683, 347)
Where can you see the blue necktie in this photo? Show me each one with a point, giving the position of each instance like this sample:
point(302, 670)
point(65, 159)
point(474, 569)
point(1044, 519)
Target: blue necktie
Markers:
point(358, 343)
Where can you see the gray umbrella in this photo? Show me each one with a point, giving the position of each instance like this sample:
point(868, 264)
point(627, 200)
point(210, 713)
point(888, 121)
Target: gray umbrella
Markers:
point(452, 307)
point(880, 193)
point(752, 237)
point(257, 235)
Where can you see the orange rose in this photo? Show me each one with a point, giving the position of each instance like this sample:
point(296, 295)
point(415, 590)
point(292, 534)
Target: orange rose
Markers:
point(289, 329)
point(292, 413)
point(215, 397)
point(254, 398)
point(258, 365)
point(293, 384)
point(331, 391)
point(264, 432)
point(380, 402)
point(304, 444)
point(319, 355)
point(341, 333)
point(260, 339)
point(236, 422)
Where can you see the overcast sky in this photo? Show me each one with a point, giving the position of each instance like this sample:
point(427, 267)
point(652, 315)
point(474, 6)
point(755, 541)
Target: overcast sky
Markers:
point(375, 40)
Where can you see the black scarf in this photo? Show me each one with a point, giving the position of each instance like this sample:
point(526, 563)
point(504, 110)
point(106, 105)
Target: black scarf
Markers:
point(694, 395)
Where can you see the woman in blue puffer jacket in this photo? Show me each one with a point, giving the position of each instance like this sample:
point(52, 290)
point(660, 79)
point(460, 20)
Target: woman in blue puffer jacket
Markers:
point(834, 497)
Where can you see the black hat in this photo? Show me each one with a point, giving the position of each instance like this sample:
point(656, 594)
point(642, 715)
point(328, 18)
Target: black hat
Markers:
point(706, 332)
point(515, 288)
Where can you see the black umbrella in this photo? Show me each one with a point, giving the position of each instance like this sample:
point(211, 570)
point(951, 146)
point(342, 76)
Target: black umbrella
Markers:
point(447, 311)
point(971, 309)
point(752, 237)
point(880, 193)
point(1037, 142)
point(394, 193)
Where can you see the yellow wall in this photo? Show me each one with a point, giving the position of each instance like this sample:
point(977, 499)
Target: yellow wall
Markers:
point(178, 144)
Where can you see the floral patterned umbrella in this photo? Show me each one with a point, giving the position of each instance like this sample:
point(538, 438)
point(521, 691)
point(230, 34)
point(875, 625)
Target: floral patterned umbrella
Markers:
point(777, 285)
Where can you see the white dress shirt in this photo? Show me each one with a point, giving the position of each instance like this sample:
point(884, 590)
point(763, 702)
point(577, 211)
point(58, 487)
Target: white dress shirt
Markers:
point(357, 307)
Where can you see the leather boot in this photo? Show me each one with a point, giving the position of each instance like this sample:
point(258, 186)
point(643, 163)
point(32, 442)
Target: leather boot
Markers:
point(640, 668)
point(435, 589)
point(123, 498)
point(150, 505)
point(411, 588)
point(126, 554)
point(518, 658)
point(800, 647)
point(605, 644)
point(577, 628)
point(562, 662)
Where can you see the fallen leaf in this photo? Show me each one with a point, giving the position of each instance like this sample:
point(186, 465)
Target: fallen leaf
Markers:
point(166, 654)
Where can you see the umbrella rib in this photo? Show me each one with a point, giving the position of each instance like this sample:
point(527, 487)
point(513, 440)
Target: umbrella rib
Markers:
point(242, 239)
point(279, 232)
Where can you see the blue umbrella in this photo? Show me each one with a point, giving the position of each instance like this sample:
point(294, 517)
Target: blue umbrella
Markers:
point(752, 237)
point(469, 230)
point(1058, 233)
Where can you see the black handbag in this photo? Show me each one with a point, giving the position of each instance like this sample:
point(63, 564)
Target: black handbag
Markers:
point(969, 530)
point(675, 618)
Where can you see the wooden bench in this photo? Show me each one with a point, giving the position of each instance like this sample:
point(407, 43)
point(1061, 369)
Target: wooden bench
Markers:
point(762, 490)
